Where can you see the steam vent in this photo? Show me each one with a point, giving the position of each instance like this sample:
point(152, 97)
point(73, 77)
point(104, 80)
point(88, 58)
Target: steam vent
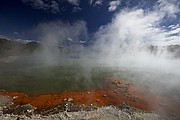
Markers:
point(89, 60)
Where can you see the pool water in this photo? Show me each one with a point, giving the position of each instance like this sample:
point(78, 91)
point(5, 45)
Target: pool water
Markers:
point(36, 79)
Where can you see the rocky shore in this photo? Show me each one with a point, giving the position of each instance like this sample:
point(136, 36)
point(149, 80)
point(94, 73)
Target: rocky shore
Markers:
point(68, 111)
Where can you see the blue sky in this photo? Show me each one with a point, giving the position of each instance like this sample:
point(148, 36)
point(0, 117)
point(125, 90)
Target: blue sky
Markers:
point(20, 19)
point(20, 16)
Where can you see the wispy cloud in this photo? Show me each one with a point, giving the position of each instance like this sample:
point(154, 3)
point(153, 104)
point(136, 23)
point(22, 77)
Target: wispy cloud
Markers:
point(38, 4)
point(95, 2)
point(74, 2)
point(91, 2)
point(113, 5)
point(54, 7)
point(168, 8)
point(98, 2)
point(137, 27)
point(57, 33)
point(50, 6)
point(76, 9)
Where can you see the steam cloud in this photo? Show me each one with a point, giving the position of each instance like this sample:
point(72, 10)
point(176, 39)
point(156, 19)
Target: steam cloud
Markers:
point(55, 35)
point(123, 43)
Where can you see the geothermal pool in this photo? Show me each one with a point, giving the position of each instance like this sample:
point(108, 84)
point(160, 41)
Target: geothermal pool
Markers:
point(142, 87)
point(31, 78)
point(23, 75)
point(42, 79)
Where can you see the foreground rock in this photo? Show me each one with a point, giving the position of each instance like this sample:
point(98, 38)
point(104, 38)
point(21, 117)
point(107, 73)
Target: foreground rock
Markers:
point(124, 112)
point(69, 111)
point(5, 101)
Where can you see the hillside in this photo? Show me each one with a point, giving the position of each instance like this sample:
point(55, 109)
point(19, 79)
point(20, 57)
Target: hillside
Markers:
point(9, 47)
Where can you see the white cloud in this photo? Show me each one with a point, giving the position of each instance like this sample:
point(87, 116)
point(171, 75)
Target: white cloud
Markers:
point(174, 26)
point(38, 4)
point(95, 2)
point(137, 27)
point(50, 6)
point(76, 5)
point(113, 5)
point(98, 2)
point(74, 2)
point(91, 2)
point(168, 8)
point(76, 8)
point(54, 7)
point(174, 29)
point(16, 33)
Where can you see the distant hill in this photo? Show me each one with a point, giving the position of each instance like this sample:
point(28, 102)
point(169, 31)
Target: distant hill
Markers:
point(175, 49)
point(10, 47)
point(13, 48)
point(172, 49)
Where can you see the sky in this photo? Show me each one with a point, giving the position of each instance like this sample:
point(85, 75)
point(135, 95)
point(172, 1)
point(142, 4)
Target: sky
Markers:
point(153, 21)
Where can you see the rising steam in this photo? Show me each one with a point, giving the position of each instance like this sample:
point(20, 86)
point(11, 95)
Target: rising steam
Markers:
point(124, 43)
point(58, 39)
point(126, 40)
